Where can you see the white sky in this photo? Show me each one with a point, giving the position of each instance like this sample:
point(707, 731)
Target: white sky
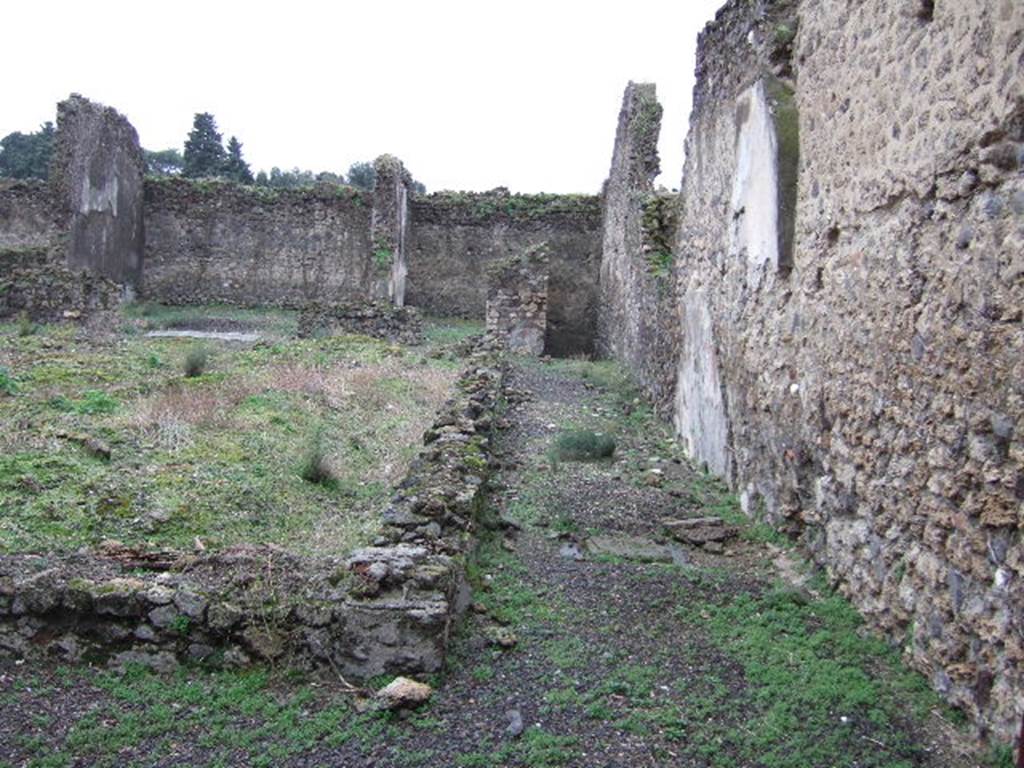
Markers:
point(470, 95)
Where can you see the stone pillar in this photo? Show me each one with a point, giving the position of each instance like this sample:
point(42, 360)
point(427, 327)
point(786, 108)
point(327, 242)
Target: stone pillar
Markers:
point(97, 173)
point(389, 226)
point(517, 301)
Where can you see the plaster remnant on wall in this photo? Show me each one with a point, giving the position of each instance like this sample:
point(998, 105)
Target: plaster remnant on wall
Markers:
point(754, 205)
point(701, 419)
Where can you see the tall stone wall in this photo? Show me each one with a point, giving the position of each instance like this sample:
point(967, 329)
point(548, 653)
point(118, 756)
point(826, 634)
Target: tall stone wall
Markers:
point(209, 241)
point(97, 172)
point(637, 301)
point(453, 236)
point(849, 289)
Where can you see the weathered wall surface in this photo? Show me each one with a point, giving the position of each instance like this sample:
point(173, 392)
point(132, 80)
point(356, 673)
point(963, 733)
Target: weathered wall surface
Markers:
point(30, 215)
point(97, 172)
point(517, 301)
point(849, 293)
point(454, 236)
point(637, 302)
point(219, 242)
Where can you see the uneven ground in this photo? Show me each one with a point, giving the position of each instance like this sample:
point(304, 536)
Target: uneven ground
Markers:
point(106, 437)
point(708, 661)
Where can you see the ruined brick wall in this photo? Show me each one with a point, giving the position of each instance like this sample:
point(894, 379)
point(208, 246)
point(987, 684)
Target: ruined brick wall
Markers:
point(210, 241)
point(454, 236)
point(849, 290)
point(637, 300)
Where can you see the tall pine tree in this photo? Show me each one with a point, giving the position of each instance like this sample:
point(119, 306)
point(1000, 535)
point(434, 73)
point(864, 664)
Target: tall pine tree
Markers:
point(235, 168)
point(204, 153)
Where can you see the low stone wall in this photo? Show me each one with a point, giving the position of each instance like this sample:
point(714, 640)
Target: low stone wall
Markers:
point(387, 608)
point(38, 283)
point(218, 242)
point(379, 319)
point(453, 236)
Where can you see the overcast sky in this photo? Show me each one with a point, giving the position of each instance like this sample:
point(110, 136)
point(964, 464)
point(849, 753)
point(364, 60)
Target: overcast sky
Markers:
point(470, 95)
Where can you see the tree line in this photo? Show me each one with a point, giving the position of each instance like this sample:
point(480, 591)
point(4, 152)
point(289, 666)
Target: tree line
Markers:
point(27, 156)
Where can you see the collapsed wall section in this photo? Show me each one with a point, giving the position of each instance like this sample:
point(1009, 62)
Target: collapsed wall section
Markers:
point(849, 293)
point(455, 235)
point(209, 241)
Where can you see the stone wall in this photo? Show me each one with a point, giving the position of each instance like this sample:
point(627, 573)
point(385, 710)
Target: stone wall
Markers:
point(97, 173)
point(637, 301)
point(38, 282)
point(453, 236)
point(849, 288)
point(209, 241)
point(517, 301)
point(389, 608)
point(30, 216)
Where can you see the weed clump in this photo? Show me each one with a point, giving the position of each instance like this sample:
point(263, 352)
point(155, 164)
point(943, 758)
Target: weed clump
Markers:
point(196, 361)
point(314, 467)
point(582, 445)
point(7, 385)
point(25, 325)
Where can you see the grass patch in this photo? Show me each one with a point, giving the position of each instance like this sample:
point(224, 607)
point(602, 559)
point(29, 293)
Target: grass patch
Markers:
point(214, 456)
point(816, 686)
point(7, 385)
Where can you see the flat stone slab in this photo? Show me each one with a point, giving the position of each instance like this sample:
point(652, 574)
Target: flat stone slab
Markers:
point(699, 530)
point(634, 548)
point(218, 335)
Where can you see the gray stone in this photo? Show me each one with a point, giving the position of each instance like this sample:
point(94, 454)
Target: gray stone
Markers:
point(191, 604)
point(628, 548)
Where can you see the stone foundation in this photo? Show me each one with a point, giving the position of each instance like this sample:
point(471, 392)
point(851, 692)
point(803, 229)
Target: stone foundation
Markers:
point(383, 609)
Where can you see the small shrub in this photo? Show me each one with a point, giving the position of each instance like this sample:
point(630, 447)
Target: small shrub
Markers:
point(196, 361)
point(25, 325)
point(314, 467)
point(582, 445)
point(7, 385)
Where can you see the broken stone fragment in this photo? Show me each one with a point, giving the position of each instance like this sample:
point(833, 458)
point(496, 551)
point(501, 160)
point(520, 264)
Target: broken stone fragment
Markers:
point(402, 693)
point(699, 530)
point(502, 637)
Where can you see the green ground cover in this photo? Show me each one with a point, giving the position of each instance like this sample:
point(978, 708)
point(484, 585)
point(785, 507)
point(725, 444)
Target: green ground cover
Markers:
point(217, 455)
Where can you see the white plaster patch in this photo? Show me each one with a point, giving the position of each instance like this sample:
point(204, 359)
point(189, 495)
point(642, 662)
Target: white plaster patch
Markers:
point(754, 207)
point(700, 416)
